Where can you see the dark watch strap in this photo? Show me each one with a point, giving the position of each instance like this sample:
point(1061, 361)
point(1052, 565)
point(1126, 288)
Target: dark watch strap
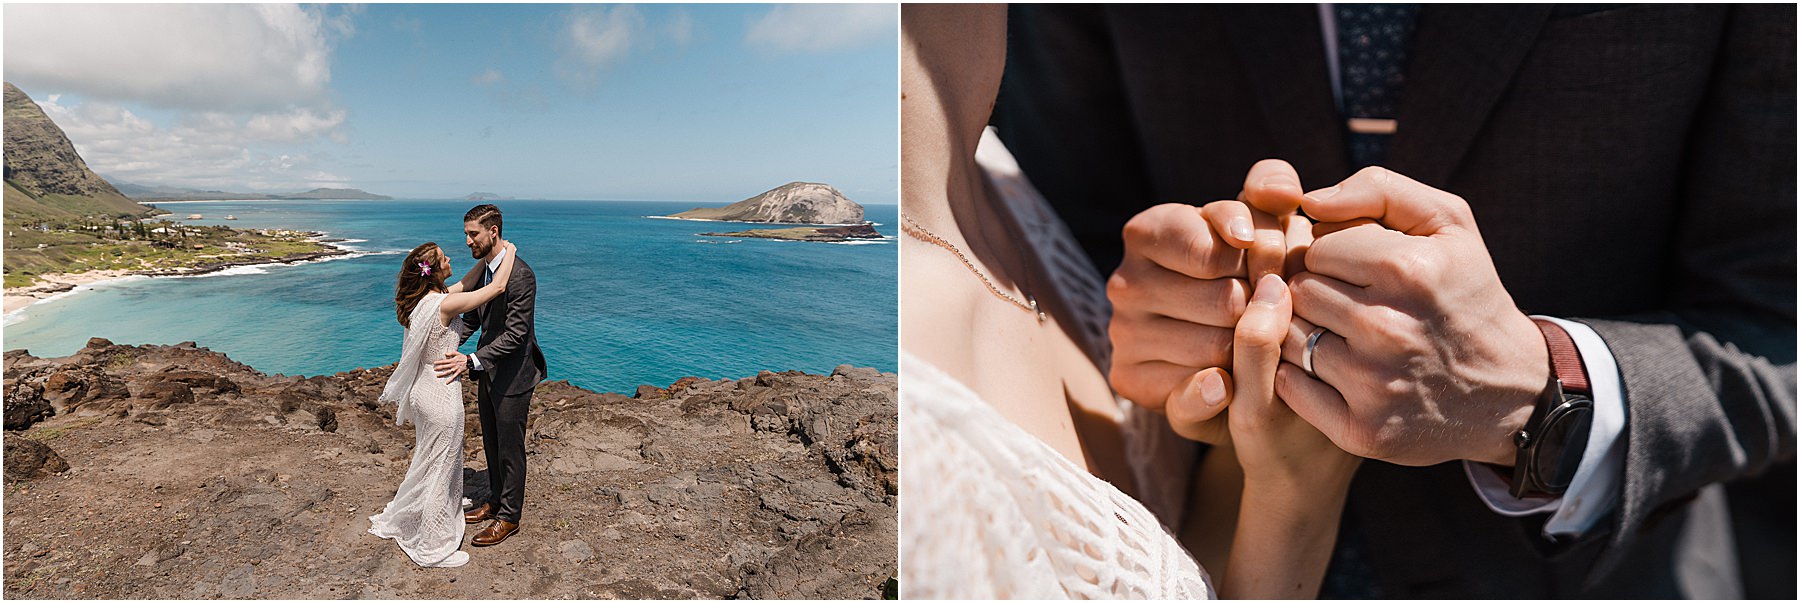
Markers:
point(1565, 358)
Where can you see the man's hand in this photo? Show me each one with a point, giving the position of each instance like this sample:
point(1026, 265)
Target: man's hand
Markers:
point(1426, 359)
point(1181, 289)
point(451, 366)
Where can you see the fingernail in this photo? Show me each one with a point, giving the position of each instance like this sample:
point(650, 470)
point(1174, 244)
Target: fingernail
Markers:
point(1212, 388)
point(1240, 230)
point(1274, 182)
point(1268, 290)
point(1323, 194)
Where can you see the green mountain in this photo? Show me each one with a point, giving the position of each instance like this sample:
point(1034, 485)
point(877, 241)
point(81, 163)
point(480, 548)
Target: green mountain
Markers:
point(45, 177)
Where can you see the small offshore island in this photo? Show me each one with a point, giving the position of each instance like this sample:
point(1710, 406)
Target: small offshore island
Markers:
point(66, 226)
point(840, 219)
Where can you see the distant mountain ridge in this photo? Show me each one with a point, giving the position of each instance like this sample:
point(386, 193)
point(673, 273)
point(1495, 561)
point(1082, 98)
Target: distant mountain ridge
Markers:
point(791, 203)
point(172, 193)
point(482, 196)
point(45, 176)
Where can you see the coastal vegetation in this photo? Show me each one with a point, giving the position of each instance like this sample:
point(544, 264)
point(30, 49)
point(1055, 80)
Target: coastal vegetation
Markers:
point(61, 218)
point(35, 248)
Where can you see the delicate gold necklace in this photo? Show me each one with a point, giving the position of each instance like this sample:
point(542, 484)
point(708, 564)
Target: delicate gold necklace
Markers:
point(919, 232)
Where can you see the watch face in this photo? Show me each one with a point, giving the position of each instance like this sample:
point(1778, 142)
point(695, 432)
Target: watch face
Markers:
point(1563, 439)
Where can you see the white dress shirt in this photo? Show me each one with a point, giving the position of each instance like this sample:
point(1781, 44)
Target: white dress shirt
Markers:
point(1595, 489)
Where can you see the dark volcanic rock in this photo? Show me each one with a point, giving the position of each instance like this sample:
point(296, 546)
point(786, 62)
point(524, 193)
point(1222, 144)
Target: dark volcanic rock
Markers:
point(828, 234)
point(780, 485)
point(27, 458)
point(25, 405)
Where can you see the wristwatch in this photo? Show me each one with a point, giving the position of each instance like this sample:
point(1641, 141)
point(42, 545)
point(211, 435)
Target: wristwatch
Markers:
point(1553, 440)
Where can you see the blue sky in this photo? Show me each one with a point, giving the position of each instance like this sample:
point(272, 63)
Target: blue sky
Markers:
point(709, 103)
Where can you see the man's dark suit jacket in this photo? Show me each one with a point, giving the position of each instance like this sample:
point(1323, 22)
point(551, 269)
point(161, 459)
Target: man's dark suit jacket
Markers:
point(1630, 167)
point(508, 348)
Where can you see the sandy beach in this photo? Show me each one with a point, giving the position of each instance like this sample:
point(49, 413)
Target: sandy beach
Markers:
point(52, 284)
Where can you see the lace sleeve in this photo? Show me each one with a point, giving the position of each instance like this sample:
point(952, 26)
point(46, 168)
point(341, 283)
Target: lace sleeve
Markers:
point(993, 513)
point(398, 391)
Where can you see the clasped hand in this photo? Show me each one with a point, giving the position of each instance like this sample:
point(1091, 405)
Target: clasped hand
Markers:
point(1423, 357)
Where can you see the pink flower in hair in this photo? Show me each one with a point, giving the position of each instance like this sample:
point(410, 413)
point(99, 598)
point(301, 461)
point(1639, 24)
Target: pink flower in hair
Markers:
point(425, 268)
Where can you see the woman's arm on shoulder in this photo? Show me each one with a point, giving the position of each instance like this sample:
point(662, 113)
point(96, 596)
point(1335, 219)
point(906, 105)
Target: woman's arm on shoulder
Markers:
point(460, 302)
point(468, 279)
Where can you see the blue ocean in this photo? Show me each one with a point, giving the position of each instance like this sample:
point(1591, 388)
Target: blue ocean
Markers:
point(623, 299)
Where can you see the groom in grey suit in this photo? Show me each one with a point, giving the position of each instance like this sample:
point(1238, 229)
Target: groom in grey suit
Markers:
point(507, 365)
point(1631, 169)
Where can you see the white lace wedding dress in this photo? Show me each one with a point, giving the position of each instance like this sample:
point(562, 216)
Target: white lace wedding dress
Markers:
point(425, 517)
point(992, 512)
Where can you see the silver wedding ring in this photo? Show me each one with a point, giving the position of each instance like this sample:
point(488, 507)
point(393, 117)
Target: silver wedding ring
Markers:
point(1306, 357)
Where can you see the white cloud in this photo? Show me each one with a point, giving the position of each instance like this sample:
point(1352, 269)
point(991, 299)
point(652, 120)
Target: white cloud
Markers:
point(236, 88)
point(680, 28)
point(179, 56)
point(298, 125)
point(204, 149)
point(600, 36)
point(595, 38)
point(487, 78)
point(807, 28)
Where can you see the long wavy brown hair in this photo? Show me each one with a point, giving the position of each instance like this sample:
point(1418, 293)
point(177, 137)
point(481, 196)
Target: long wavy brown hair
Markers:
point(414, 283)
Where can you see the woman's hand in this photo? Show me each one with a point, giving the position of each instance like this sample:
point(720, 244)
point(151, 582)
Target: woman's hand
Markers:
point(460, 302)
point(1182, 287)
point(1295, 479)
point(503, 274)
point(1277, 449)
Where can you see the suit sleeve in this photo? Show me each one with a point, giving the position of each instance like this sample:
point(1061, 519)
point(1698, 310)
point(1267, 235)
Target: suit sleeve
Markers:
point(521, 301)
point(1709, 381)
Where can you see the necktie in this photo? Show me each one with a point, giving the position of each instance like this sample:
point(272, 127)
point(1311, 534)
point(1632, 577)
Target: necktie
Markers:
point(1373, 44)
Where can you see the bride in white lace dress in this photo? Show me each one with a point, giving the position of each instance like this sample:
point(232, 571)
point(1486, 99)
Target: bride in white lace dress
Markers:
point(425, 517)
point(1025, 476)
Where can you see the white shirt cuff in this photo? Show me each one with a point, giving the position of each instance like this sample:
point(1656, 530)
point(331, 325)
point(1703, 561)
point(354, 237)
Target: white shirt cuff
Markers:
point(474, 362)
point(1595, 489)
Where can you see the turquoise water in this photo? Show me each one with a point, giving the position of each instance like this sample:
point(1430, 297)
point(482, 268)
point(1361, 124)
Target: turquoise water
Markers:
point(623, 300)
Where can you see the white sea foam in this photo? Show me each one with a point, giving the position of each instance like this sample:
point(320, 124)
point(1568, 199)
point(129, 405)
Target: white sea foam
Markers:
point(15, 316)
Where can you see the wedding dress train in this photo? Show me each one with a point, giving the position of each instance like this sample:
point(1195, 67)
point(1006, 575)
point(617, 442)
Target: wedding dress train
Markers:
point(425, 517)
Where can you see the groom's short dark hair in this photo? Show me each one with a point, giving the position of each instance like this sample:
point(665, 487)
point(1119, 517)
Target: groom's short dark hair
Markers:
point(487, 215)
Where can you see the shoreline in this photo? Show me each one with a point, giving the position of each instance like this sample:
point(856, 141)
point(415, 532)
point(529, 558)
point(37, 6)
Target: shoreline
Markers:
point(59, 284)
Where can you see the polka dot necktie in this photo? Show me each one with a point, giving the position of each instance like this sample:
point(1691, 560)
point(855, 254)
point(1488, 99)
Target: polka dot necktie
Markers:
point(1373, 40)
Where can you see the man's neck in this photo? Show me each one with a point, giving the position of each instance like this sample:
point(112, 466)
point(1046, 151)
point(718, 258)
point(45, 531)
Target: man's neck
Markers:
point(494, 256)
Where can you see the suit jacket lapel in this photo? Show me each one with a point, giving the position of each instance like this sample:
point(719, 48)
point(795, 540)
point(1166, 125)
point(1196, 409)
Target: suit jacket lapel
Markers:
point(1283, 55)
point(1463, 60)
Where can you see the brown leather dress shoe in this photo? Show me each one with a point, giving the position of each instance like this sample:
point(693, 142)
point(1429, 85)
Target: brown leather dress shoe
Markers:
point(495, 533)
point(480, 513)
